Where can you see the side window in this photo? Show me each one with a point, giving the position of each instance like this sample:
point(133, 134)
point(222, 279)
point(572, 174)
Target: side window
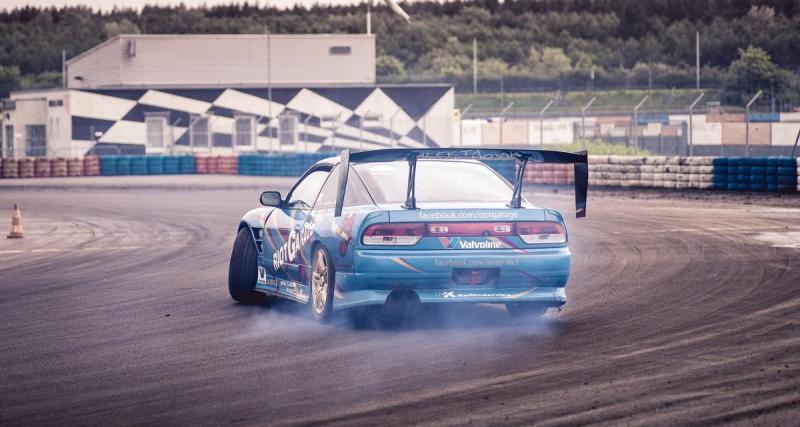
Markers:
point(356, 193)
point(306, 191)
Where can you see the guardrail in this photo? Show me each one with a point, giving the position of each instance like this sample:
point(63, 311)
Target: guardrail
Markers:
point(770, 174)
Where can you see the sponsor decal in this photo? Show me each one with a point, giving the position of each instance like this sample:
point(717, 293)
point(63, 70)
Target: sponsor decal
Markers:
point(478, 154)
point(453, 215)
point(344, 231)
point(290, 250)
point(457, 294)
point(479, 262)
point(293, 289)
point(486, 294)
point(262, 275)
point(459, 243)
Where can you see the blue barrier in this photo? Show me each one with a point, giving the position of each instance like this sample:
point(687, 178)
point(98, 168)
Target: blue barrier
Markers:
point(155, 165)
point(138, 165)
point(773, 174)
point(108, 165)
point(123, 165)
point(186, 164)
point(171, 165)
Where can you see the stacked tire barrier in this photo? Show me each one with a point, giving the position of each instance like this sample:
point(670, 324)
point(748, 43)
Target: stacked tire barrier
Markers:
point(26, 168)
point(542, 173)
point(74, 167)
point(759, 174)
point(651, 172)
point(42, 168)
point(10, 168)
point(91, 166)
point(58, 168)
point(773, 174)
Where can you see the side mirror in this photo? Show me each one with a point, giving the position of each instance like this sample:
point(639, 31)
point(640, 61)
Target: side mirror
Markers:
point(271, 198)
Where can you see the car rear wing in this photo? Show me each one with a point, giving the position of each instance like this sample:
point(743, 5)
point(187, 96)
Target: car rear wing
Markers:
point(522, 157)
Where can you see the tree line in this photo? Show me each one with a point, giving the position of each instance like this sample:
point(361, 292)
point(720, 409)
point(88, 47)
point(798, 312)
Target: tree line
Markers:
point(528, 44)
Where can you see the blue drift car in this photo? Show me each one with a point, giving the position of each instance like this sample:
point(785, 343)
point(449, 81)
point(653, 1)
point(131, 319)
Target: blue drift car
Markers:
point(423, 225)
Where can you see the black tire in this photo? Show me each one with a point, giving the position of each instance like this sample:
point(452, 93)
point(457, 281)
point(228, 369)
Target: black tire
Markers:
point(321, 302)
point(243, 270)
point(526, 309)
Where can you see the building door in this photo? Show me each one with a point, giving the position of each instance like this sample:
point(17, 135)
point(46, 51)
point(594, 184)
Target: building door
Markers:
point(35, 140)
point(8, 142)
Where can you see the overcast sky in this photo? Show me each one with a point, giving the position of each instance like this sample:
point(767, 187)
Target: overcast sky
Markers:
point(109, 4)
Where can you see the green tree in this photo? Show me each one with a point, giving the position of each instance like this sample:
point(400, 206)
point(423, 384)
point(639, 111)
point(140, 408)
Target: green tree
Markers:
point(388, 65)
point(9, 80)
point(753, 71)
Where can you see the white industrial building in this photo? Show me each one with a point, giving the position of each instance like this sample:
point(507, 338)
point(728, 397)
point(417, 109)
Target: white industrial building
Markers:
point(224, 93)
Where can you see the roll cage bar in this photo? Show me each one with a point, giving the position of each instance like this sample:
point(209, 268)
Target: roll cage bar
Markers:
point(411, 155)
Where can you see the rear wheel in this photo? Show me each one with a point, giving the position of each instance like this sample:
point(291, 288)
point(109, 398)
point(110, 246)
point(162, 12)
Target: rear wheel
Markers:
point(243, 270)
point(526, 309)
point(322, 275)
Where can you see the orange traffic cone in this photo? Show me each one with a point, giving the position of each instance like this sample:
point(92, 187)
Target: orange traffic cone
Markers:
point(16, 224)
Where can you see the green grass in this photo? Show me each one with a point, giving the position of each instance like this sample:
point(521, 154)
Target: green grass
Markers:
point(572, 102)
point(599, 148)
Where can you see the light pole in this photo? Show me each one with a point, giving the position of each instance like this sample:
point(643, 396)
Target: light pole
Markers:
point(583, 119)
point(636, 122)
point(747, 124)
point(691, 128)
point(461, 125)
point(541, 121)
point(502, 113)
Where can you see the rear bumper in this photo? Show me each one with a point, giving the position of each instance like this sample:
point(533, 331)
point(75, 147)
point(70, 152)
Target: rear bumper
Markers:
point(536, 275)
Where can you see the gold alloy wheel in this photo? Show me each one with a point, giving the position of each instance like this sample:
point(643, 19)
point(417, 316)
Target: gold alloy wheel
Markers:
point(319, 282)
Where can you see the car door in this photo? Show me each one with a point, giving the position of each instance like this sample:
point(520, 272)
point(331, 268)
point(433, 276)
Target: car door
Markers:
point(287, 229)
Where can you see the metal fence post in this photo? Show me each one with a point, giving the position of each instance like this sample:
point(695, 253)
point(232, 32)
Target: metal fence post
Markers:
point(691, 127)
point(502, 114)
point(747, 124)
point(636, 122)
point(583, 120)
point(541, 121)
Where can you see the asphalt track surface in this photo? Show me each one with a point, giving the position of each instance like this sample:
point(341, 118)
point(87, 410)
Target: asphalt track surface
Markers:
point(114, 310)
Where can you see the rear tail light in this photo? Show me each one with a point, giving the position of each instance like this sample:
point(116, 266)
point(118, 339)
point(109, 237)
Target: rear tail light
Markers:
point(407, 234)
point(541, 232)
point(401, 234)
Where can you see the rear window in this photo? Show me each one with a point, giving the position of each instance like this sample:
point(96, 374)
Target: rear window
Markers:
point(436, 181)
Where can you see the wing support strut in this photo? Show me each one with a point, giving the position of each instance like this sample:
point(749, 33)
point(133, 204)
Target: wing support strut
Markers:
point(516, 196)
point(411, 199)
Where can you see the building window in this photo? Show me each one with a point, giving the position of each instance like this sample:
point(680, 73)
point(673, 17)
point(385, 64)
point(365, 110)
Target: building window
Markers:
point(157, 125)
point(198, 131)
point(244, 130)
point(340, 50)
point(35, 140)
point(287, 128)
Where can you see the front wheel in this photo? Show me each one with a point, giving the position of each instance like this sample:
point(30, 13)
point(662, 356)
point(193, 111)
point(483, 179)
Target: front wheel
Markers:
point(322, 276)
point(243, 270)
point(526, 309)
